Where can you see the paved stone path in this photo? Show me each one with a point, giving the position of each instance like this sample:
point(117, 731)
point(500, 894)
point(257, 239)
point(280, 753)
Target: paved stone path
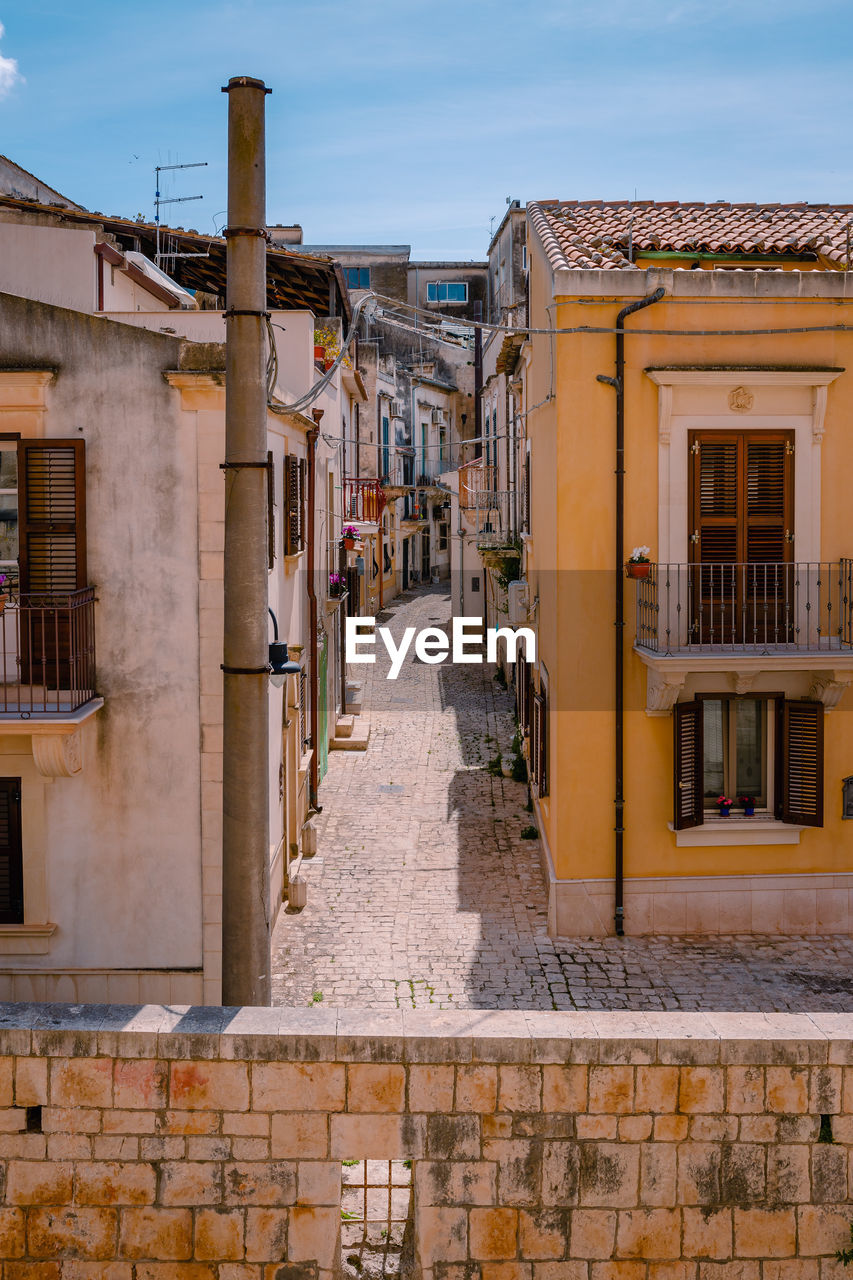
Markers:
point(423, 892)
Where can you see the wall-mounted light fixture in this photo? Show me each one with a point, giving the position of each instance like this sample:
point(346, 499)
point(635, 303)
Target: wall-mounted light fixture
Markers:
point(847, 794)
point(280, 665)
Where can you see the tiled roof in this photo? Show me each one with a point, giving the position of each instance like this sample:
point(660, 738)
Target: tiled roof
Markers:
point(595, 234)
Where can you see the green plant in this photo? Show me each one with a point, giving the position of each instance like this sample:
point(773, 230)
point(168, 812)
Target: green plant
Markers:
point(495, 766)
point(349, 1163)
point(845, 1256)
point(519, 769)
point(317, 997)
point(529, 833)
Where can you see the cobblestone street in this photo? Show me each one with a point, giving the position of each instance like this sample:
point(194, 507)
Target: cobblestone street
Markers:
point(423, 891)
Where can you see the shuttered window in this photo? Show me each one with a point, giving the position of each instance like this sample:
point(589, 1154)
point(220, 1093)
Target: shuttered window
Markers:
point(539, 744)
point(294, 505)
point(688, 808)
point(52, 506)
point(11, 862)
point(797, 746)
point(742, 497)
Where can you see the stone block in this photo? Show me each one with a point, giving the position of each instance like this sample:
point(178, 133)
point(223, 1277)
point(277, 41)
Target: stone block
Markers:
point(699, 1173)
point(520, 1088)
point(744, 1090)
point(609, 1174)
point(476, 1088)
point(497, 1126)
point(219, 1235)
point(175, 1271)
point(35, 1182)
point(12, 1233)
point(450, 1137)
point(137, 1122)
point(191, 1183)
point(542, 1124)
point(619, 1270)
point(80, 1270)
point(734, 1270)
point(31, 1082)
point(657, 1089)
point(791, 1269)
point(649, 1233)
point(318, 1182)
point(672, 1270)
point(376, 1137)
point(564, 1088)
point(788, 1175)
point(765, 1233)
point(670, 1128)
point(542, 1233)
point(493, 1234)
point(714, 1128)
point(701, 1090)
point(506, 1271)
point(430, 1087)
point(298, 1086)
point(635, 1128)
point(140, 1083)
point(246, 1124)
point(32, 1271)
point(212, 1147)
point(72, 1233)
point(658, 1174)
point(441, 1235)
point(293, 1135)
point(520, 1170)
point(829, 1174)
point(313, 1235)
point(266, 1234)
point(569, 1270)
point(270, 1182)
point(787, 1090)
point(822, 1229)
point(707, 1233)
point(611, 1089)
point(113, 1182)
point(77, 1146)
point(560, 1168)
point(742, 1174)
point(188, 1122)
point(165, 1234)
point(81, 1082)
point(209, 1086)
point(593, 1233)
point(167, 1148)
point(589, 1128)
point(376, 1087)
point(455, 1182)
point(758, 1129)
point(825, 1090)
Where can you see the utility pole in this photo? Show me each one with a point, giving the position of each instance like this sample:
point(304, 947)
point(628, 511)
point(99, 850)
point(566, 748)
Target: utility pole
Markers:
point(245, 751)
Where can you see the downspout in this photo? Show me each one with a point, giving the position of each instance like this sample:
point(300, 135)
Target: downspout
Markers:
point(313, 675)
point(618, 383)
point(478, 380)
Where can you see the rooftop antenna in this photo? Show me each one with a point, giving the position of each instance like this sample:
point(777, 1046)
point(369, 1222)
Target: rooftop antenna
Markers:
point(158, 201)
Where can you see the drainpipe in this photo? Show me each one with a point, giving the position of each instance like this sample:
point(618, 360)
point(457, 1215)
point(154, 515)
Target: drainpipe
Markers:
point(618, 383)
point(478, 381)
point(313, 674)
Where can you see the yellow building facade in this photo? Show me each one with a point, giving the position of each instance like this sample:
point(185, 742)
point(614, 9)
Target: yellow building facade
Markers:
point(735, 394)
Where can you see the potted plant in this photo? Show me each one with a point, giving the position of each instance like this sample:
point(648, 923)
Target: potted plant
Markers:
point(724, 804)
point(349, 536)
point(638, 564)
point(748, 803)
point(337, 585)
point(4, 595)
point(326, 345)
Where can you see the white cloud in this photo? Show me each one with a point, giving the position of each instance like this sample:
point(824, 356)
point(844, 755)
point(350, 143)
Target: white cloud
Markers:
point(9, 73)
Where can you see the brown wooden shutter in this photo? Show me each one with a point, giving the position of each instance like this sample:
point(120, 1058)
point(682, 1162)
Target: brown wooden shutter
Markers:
point(52, 515)
point(742, 497)
point(539, 744)
point(800, 763)
point(270, 510)
point(294, 505)
point(526, 501)
point(11, 854)
point(688, 803)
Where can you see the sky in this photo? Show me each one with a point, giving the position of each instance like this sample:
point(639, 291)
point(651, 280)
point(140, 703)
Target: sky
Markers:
point(414, 122)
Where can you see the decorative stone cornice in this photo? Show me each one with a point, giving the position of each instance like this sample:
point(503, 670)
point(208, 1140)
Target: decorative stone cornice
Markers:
point(829, 687)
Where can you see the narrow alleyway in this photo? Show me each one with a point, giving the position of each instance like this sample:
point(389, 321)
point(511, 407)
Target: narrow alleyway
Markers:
point(423, 891)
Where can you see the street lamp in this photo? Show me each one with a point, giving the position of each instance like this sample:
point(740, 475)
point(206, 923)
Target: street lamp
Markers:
point(280, 665)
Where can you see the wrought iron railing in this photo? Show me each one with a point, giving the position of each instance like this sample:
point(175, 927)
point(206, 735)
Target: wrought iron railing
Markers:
point(47, 652)
point(762, 608)
point(363, 500)
point(476, 478)
point(490, 517)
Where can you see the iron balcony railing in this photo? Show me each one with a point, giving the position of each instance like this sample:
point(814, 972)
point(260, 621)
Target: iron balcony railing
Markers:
point(363, 500)
point(759, 608)
point(490, 517)
point(476, 478)
point(47, 652)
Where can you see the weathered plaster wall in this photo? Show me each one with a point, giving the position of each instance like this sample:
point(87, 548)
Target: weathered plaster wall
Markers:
point(207, 1143)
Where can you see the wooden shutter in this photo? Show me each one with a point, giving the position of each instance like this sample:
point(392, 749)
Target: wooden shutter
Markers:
point(799, 774)
point(270, 510)
point(688, 803)
point(742, 497)
point(768, 498)
point(294, 505)
point(526, 495)
point(52, 514)
point(11, 858)
point(539, 744)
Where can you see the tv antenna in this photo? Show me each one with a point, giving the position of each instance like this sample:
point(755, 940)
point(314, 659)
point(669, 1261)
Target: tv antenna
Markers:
point(159, 200)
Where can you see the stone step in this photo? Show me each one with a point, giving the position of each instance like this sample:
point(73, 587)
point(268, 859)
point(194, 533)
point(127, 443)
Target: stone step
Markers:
point(344, 726)
point(357, 738)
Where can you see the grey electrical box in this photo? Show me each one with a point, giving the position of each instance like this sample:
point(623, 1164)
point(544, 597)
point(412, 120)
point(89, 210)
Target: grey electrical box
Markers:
point(847, 793)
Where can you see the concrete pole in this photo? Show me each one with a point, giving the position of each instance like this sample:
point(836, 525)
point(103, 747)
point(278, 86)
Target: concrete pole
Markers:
point(245, 752)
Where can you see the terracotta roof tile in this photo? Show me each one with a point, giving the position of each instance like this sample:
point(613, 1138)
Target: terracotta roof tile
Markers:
point(595, 234)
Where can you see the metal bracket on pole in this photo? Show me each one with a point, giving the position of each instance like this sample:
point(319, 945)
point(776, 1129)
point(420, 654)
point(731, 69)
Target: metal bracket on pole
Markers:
point(236, 466)
point(245, 671)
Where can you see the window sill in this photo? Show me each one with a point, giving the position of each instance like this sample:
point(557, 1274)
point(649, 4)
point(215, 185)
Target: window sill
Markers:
point(26, 939)
point(737, 831)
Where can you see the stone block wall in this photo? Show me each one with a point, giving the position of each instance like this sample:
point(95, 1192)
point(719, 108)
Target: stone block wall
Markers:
point(206, 1144)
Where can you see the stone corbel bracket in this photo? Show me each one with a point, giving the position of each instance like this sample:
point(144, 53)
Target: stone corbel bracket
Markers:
point(662, 690)
point(829, 687)
point(58, 755)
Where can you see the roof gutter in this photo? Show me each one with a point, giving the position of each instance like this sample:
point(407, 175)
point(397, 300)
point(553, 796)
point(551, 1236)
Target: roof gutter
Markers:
point(618, 383)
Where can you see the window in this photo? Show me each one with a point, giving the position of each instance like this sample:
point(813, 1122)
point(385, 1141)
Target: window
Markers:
point(442, 536)
point(767, 748)
point(447, 291)
point(294, 505)
point(9, 510)
point(11, 859)
point(357, 277)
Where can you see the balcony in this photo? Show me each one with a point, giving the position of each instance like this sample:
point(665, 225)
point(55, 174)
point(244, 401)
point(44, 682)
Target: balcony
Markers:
point(744, 619)
point(47, 653)
point(489, 518)
point(364, 500)
point(476, 478)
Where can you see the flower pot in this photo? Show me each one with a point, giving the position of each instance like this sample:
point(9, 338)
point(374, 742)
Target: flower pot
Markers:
point(725, 809)
point(319, 353)
point(349, 543)
point(635, 569)
point(749, 810)
point(327, 364)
